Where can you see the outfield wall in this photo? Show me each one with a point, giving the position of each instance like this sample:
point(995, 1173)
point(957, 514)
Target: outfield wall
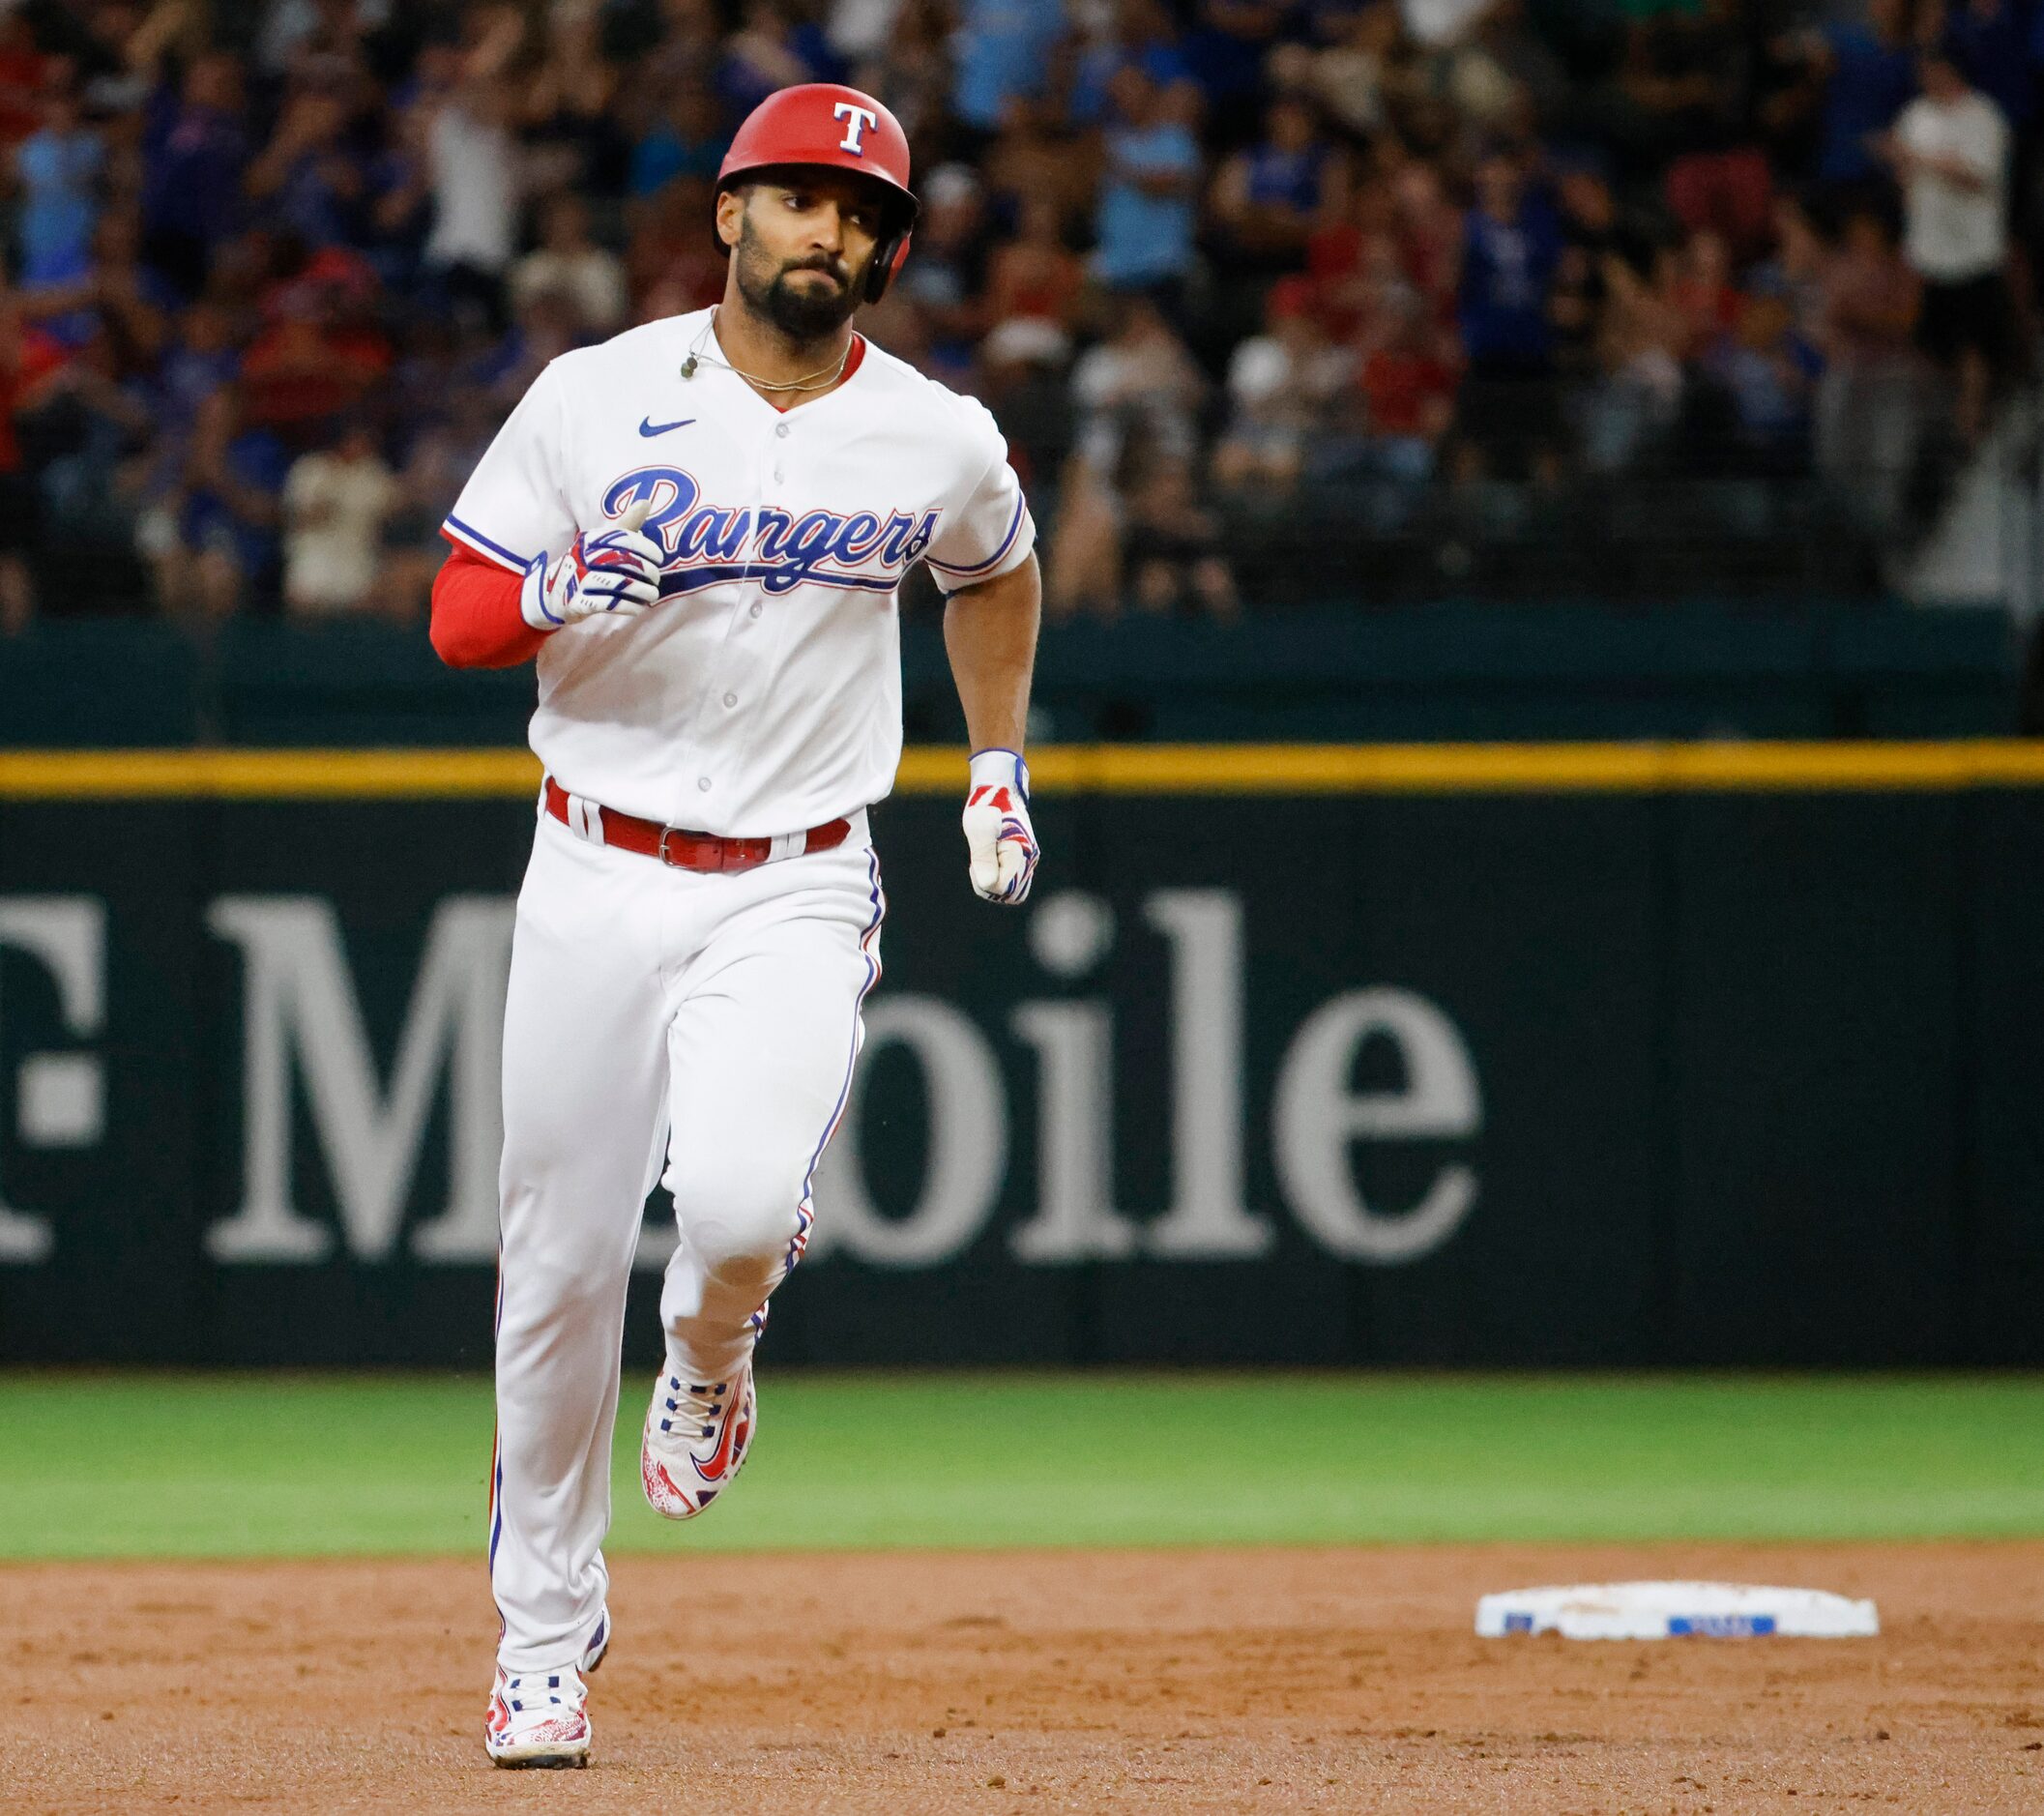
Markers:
point(1341, 671)
point(1499, 1054)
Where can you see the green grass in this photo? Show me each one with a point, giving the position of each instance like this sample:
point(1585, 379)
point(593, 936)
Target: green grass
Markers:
point(307, 1465)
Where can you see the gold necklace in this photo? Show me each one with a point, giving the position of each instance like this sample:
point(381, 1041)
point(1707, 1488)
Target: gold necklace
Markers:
point(696, 356)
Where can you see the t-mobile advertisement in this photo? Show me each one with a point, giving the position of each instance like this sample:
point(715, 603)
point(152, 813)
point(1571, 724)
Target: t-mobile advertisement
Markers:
point(1614, 1078)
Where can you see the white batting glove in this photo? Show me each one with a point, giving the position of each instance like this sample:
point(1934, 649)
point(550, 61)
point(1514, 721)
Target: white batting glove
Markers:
point(999, 839)
point(612, 571)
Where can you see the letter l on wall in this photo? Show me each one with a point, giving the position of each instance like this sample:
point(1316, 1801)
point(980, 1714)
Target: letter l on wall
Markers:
point(1208, 1219)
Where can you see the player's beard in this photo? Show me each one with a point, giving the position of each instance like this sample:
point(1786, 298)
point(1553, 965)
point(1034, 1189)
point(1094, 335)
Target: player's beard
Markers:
point(805, 312)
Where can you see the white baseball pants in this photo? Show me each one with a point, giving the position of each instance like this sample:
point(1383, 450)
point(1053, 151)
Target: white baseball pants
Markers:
point(654, 1014)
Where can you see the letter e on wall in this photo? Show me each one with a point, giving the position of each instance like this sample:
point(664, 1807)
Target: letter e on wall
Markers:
point(1317, 1115)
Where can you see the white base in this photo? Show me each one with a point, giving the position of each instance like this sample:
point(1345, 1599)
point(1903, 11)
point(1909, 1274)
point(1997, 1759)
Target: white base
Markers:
point(1674, 1610)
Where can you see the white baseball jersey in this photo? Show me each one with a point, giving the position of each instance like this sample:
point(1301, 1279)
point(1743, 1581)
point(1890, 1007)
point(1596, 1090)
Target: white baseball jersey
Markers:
point(762, 695)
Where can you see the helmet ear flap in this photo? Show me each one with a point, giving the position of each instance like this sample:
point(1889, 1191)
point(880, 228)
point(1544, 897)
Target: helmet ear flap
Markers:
point(888, 258)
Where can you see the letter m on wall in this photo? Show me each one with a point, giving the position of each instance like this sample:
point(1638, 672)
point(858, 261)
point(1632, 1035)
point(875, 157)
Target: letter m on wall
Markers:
point(302, 1019)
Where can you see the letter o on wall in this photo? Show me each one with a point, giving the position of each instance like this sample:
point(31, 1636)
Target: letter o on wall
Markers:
point(1316, 1115)
point(967, 1149)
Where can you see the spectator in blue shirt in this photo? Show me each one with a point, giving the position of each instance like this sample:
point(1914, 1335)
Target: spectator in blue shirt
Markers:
point(1145, 226)
point(199, 361)
point(771, 50)
point(194, 147)
point(1511, 247)
point(1002, 53)
point(1986, 41)
point(1146, 37)
point(684, 142)
point(1225, 51)
point(1871, 76)
point(1267, 198)
point(227, 511)
point(1770, 373)
point(59, 169)
point(307, 177)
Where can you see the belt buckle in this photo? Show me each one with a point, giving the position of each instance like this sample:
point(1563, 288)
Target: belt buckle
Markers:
point(673, 864)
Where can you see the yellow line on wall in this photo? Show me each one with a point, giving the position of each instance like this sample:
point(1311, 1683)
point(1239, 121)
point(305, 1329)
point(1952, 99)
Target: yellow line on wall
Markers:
point(1425, 769)
point(1534, 768)
point(264, 775)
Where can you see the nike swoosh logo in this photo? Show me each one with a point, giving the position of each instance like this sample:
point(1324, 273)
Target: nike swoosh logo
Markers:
point(720, 1459)
point(726, 1443)
point(648, 427)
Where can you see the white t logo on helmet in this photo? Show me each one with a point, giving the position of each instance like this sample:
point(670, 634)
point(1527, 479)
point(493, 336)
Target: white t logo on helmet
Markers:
point(857, 119)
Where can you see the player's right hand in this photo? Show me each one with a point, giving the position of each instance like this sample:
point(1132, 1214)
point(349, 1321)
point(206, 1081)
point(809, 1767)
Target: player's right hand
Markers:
point(615, 571)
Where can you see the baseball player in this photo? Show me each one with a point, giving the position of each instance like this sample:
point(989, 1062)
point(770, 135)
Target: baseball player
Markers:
point(699, 529)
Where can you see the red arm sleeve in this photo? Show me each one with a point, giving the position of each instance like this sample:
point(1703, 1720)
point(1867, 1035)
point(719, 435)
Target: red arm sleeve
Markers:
point(477, 622)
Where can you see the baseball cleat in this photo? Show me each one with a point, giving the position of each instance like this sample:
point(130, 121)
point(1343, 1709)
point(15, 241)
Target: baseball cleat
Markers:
point(539, 1718)
point(696, 1440)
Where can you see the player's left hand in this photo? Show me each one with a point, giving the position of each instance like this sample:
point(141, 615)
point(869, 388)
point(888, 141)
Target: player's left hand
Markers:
point(999, 839)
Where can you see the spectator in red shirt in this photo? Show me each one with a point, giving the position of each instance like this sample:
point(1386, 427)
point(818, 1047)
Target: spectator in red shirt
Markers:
point(1407, 390)
point(1036, 275)
point(1430, 236)
point(322, 352)
point(1349, 259)
point(1699, 287)
point(22, 70)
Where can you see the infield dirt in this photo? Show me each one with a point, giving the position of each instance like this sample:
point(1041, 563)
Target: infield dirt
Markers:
point(1293, 1680)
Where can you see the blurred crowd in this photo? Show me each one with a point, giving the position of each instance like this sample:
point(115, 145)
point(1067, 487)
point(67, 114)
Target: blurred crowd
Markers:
point(1248, 283)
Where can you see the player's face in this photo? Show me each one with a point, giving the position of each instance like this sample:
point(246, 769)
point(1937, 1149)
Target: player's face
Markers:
point(803, 248)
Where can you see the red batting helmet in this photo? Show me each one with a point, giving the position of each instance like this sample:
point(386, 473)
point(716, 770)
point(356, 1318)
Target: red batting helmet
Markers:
point(826, 124)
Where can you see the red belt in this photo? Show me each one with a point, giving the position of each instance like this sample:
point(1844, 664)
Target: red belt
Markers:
point(685, 850)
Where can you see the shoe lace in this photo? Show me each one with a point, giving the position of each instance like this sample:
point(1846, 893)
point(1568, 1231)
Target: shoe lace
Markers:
point(695, 1404)
point(531, 1691)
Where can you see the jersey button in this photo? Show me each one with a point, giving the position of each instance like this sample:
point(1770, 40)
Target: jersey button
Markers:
point(755, 609)
point(730, 699)
point(781, 429)
point(702, 784)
